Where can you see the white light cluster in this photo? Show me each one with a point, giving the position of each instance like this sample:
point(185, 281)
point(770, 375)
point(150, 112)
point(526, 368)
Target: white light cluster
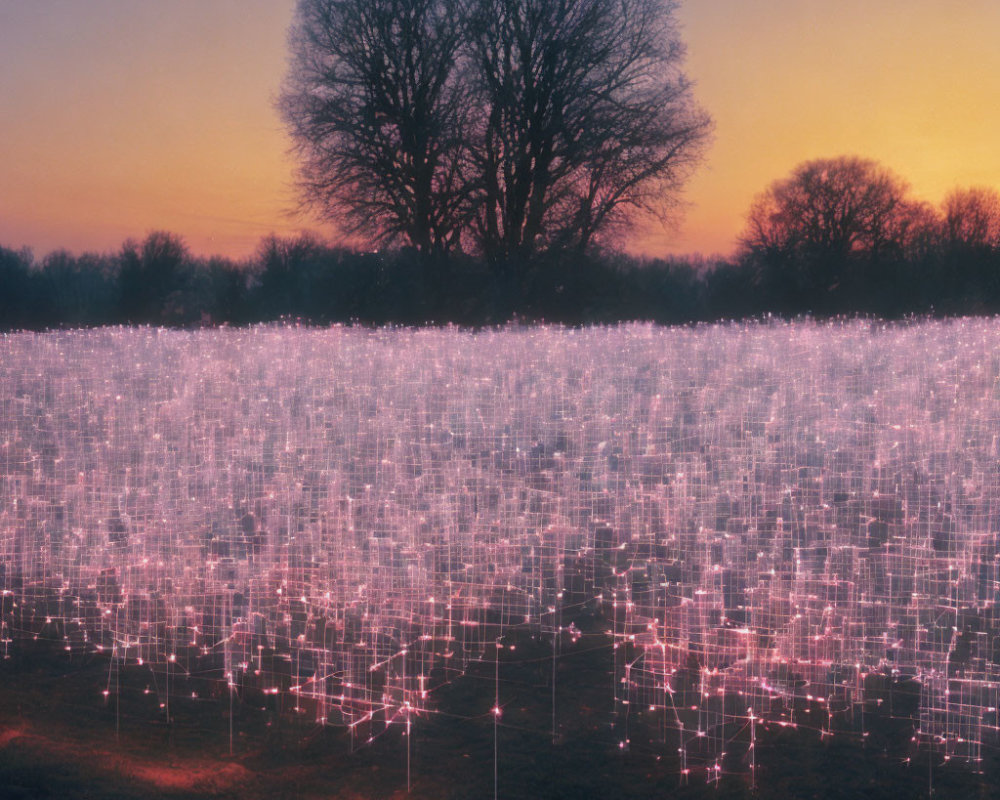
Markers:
point(770, 515)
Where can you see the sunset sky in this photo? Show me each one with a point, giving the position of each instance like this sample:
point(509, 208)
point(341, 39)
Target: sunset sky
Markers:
point(124, 116)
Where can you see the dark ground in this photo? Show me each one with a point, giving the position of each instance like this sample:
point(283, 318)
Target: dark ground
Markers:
point(58, 740)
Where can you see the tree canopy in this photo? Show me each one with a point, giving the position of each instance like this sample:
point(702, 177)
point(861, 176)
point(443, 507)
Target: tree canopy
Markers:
point(504, 127)
point(832, 208)
point(972, 218)
point(811, 230)
point(376, 113)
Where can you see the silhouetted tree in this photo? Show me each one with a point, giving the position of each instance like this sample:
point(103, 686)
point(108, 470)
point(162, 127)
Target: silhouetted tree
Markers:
point(215, 291)
point(807, 232)
point(17, 295)
point(516, 125)
point(148, 274)
point(972, 219)
point(831, 207)
point(376, 111)
point(583, 117)
point(284, 267)
point(81, 289)
point(968, 268)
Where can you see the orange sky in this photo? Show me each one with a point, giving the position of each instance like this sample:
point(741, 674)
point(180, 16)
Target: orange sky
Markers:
point(124, 116)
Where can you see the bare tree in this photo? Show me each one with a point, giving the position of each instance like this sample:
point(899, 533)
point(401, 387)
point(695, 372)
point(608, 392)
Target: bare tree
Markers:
point(972, 218)
point(514, 124)
point(833, 226)
point(832, 208)
point(375, 111)
point(150, 274)
point(916, 230)
point(584, 116)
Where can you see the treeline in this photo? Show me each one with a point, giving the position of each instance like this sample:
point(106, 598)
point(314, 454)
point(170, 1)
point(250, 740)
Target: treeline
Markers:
point(158, 281)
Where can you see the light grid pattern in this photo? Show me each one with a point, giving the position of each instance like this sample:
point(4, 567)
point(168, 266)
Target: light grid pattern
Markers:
point(767, 516)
